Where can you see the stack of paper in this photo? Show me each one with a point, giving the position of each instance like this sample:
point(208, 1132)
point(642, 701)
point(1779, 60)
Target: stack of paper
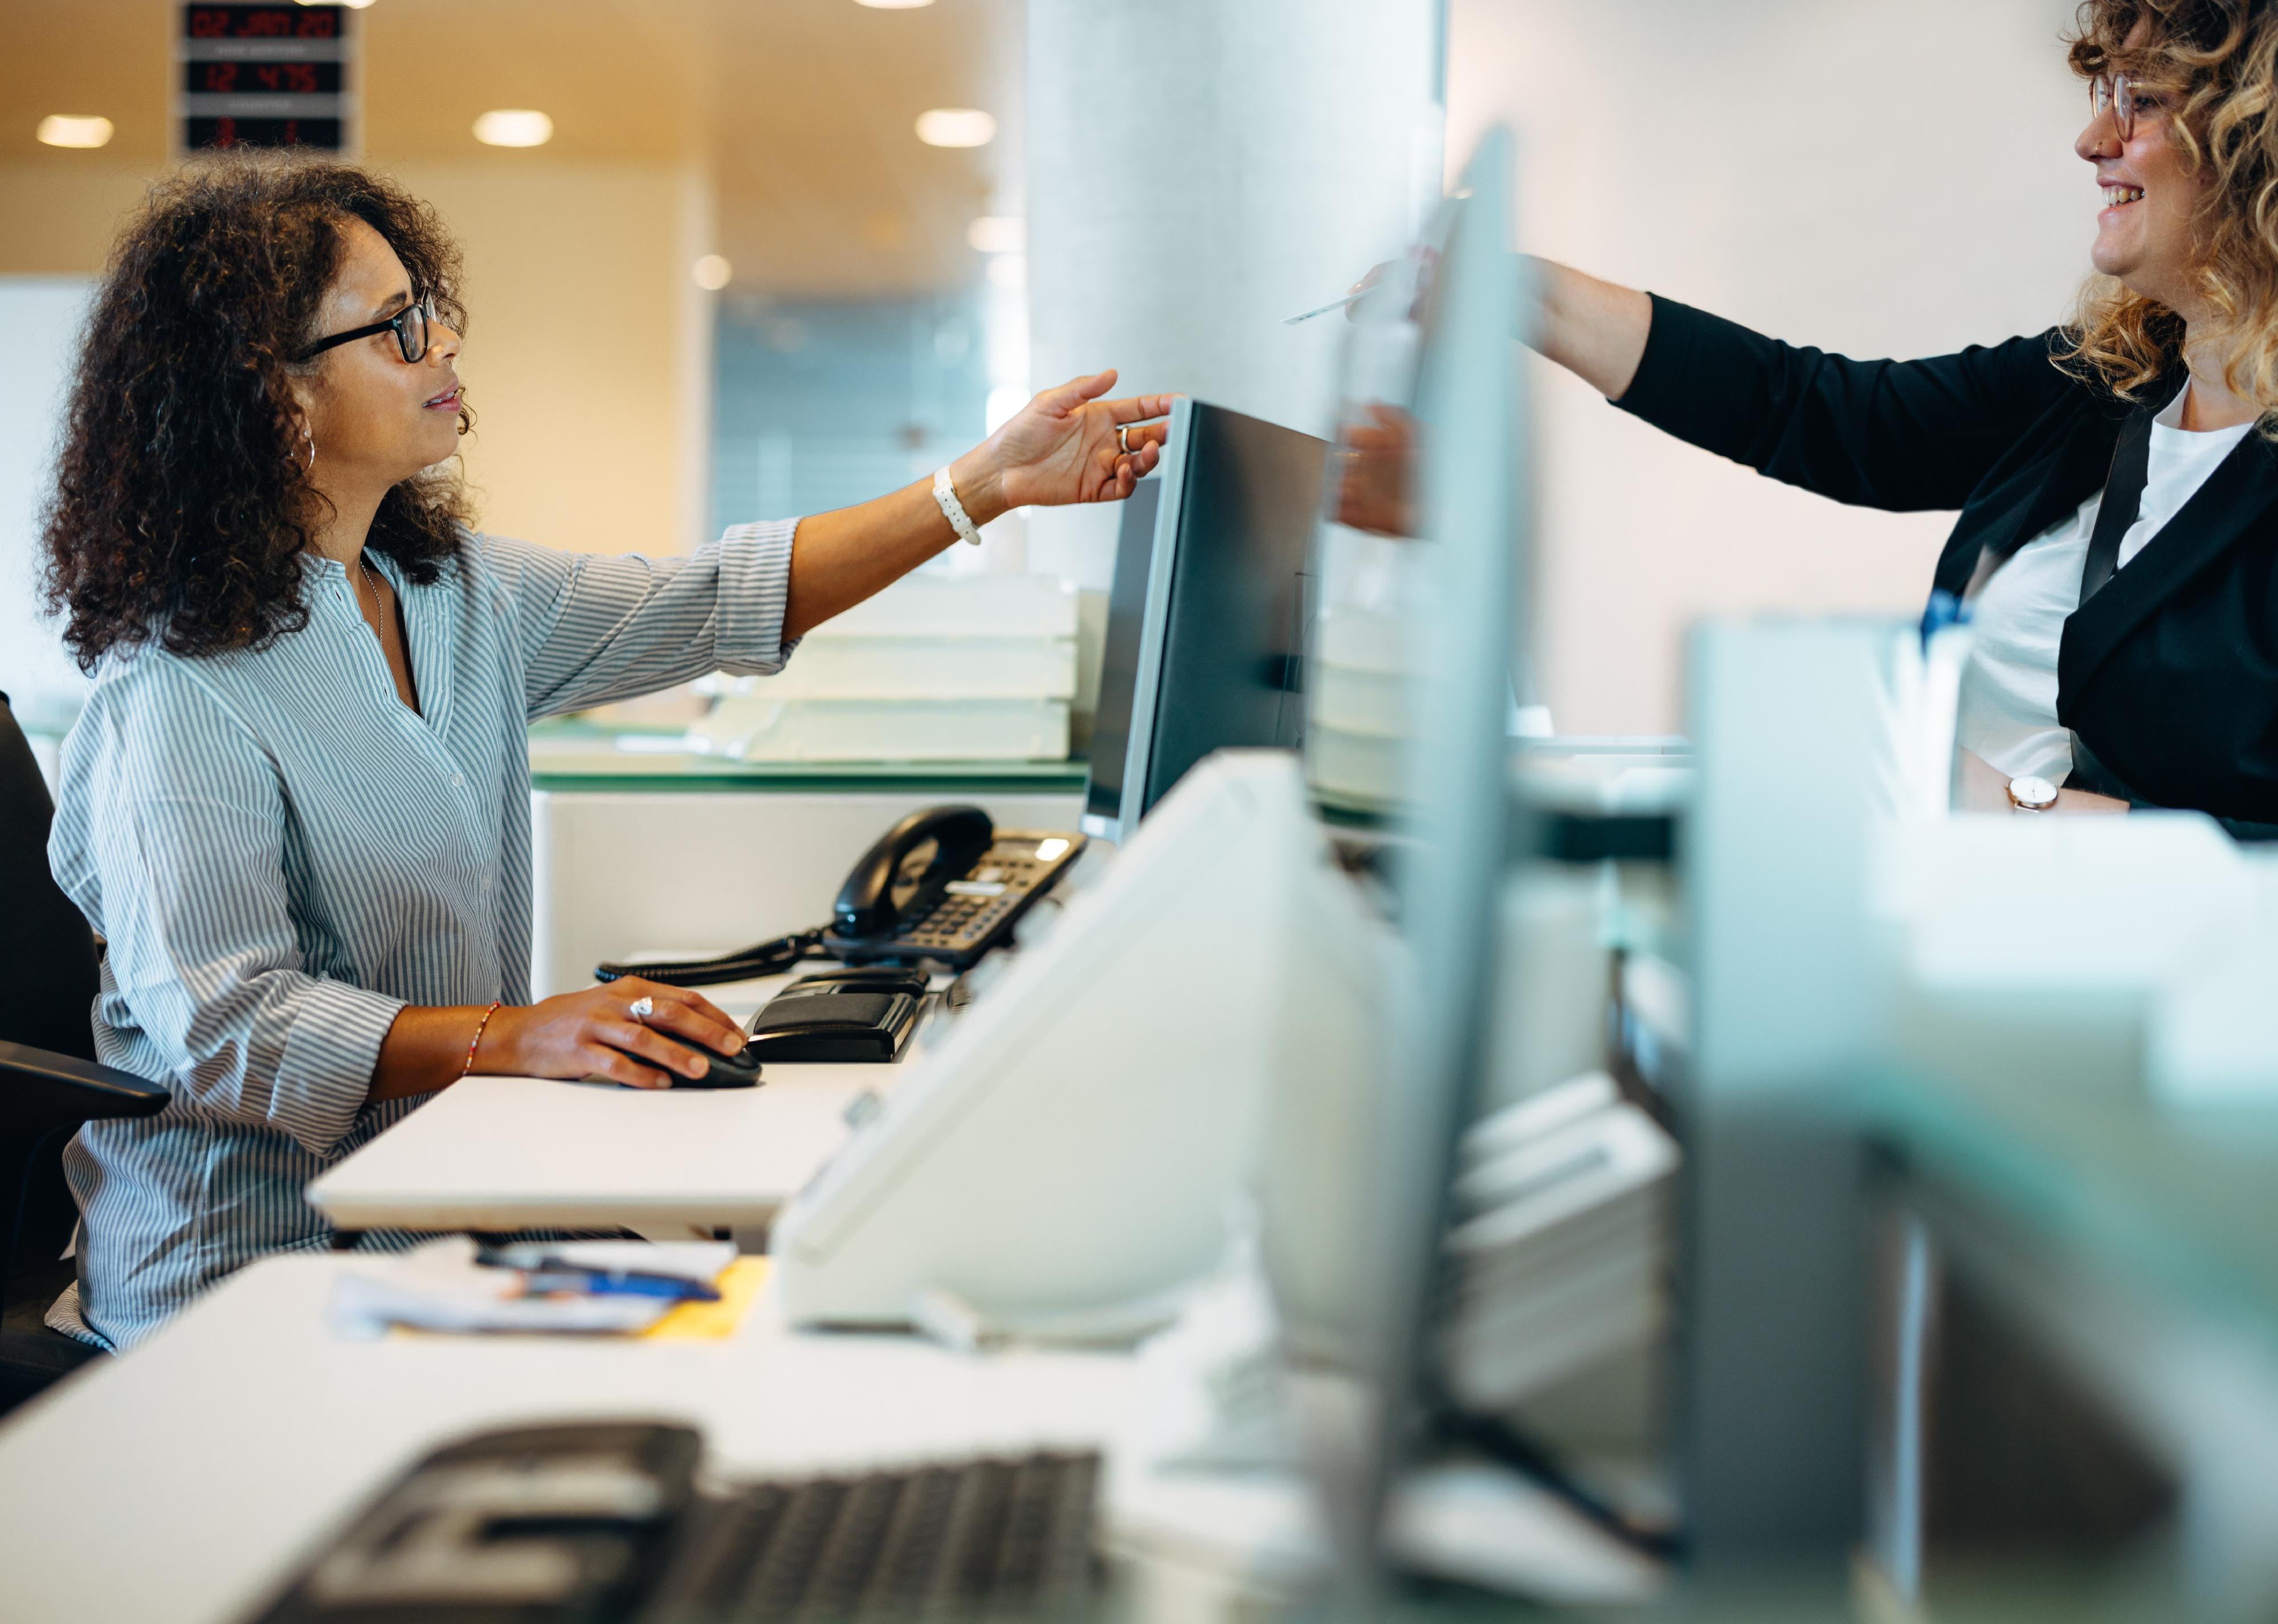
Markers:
point(1561, 1240)
point(935, 667)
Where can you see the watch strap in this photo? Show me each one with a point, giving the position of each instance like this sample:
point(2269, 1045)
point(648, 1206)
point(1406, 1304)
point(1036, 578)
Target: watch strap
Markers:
point(944, 496)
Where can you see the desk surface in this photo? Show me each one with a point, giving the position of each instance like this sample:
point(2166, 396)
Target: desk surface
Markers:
point(184, 1481)
point(523, 1153)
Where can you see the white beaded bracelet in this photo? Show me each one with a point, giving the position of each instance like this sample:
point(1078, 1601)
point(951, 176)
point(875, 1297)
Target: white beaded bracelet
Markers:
point(945, 494)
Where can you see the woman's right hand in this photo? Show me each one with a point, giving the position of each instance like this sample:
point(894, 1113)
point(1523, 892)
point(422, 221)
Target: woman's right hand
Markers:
point(594, 1034)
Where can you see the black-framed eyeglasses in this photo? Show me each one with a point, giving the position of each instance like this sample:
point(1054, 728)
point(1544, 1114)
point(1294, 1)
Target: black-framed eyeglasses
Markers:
point(2114, 94)
point(410, 325)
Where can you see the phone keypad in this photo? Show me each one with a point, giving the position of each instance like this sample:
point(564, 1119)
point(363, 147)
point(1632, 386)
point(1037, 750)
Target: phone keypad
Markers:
point(966, 916)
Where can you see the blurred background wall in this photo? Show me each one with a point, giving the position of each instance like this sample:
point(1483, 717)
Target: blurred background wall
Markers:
point(1874, 179)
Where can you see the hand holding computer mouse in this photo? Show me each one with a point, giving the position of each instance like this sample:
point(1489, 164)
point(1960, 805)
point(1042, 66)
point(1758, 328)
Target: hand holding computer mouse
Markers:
point(641, 1033)
point(738, 1071)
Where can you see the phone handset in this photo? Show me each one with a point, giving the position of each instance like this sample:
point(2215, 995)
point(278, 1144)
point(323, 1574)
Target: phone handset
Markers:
point(944, 886)
point(905, 872)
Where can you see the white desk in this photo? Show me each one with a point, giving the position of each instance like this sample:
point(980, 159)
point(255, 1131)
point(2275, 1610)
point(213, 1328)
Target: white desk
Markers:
point(185, 1480)
point(523, 1153)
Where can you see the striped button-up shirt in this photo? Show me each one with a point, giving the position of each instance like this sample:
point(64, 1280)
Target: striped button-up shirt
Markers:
point(281, 855)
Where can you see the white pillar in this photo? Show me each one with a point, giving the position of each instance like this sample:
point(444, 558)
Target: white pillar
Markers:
point(1199, 170)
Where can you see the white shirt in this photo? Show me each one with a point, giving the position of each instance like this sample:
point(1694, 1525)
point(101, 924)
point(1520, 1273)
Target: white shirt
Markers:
point(2008, 703)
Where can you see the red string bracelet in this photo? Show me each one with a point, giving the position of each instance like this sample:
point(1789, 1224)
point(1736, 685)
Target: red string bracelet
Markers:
point(477, 1039)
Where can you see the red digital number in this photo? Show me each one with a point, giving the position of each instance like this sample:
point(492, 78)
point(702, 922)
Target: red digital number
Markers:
point(265, 24)
point(318, 26)
point(209, 25)
point(225, 132)
point(292, 131)
point(221, 77)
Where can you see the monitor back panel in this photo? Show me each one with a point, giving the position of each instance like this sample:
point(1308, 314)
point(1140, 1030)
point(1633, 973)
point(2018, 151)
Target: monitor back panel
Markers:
point(1232, 664)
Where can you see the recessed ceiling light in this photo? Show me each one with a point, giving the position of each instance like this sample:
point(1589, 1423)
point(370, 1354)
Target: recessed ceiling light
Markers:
point(514, 126)
point(74, 130)
point(956, 127)
point(712, 273)
point(997, 233)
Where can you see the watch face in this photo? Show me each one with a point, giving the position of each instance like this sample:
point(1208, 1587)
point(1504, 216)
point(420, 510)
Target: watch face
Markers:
point(2034, 794)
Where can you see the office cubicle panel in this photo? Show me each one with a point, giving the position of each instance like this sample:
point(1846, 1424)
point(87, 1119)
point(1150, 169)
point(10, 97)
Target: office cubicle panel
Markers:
point(1450, 830)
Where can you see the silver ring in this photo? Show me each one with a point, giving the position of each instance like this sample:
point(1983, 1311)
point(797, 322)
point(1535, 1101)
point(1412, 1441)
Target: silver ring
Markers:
point(643, 1007)
point(1123, 437)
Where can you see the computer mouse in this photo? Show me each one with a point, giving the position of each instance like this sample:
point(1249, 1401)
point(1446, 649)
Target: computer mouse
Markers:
point(726, 1071)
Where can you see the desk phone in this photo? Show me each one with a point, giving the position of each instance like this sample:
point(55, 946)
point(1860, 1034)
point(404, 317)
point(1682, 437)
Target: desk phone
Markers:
point(944, 884)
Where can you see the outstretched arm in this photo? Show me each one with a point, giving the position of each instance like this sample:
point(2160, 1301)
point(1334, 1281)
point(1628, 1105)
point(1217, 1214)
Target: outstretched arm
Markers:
point(1060, 447)
point(1901, 435)
point(1595, 330)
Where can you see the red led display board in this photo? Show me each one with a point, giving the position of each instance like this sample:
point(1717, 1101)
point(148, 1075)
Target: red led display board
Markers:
point(265, 75)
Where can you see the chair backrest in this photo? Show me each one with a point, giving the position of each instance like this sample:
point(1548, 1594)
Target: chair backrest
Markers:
point(47, 954)
point(46, 950)
point(47, 980)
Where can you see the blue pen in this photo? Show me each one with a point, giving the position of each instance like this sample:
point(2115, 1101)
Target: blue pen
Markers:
point(597, 1283)
point(1943, 609)
point(548, 1272)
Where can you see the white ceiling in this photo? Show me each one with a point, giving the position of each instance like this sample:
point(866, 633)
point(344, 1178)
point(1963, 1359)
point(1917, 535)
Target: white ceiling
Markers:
point(801, 111)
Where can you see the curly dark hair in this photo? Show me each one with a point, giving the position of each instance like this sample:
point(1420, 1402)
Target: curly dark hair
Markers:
point(180, 508)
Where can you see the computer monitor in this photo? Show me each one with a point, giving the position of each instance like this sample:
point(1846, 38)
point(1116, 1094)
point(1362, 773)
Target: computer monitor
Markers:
point(1207, 620)
point(1433, 347)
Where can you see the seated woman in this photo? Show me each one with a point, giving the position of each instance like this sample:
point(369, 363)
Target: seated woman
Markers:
point(2117, 549)
point(297, 805)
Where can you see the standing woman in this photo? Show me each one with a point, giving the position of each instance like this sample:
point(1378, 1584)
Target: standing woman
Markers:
point(297, 805)
point(2117, 478)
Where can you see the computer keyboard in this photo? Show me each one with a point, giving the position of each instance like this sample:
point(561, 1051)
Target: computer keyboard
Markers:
point(605, 1522)
point(979, 1538)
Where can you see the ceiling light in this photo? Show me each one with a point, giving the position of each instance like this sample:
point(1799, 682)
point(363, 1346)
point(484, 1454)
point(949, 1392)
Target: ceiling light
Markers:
point(70, 130)
point(997, 233)
point(712, 273)
point(956, 127)
point(514, 126)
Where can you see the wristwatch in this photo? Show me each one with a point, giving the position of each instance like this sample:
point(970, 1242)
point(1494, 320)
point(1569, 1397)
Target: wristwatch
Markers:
point(2032, 794)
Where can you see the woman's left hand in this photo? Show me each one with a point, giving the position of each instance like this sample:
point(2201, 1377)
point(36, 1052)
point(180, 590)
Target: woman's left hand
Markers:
point(1062, 447)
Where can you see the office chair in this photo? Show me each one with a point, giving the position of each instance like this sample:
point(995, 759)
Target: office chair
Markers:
point(50, 1081)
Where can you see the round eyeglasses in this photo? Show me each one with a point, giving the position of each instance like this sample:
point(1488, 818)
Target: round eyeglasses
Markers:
point(410, 325)
point(2114, 94)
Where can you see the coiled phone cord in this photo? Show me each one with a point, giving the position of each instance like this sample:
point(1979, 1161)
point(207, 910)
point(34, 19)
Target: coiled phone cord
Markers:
point(770, 958)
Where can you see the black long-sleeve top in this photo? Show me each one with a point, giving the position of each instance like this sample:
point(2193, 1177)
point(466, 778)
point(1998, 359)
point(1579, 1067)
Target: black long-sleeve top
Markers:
point(2170, 673)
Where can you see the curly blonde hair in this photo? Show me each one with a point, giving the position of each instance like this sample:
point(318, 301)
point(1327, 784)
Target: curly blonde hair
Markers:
point(2215, 64)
